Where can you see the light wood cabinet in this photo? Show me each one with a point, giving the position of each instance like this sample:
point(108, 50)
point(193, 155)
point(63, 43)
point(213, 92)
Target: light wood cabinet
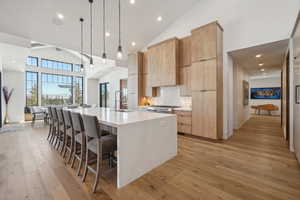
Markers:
point(184, 122)
point(207, 81)
point(204, 75)
point(185, 81)
point(163, 63)
point(145, 79)
point(204, 43)
point(204, 118)
point(185, 52)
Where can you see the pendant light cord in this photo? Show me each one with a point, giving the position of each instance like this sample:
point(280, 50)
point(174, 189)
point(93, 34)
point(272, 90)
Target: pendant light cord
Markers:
point(119, 22)
point(81, 45)
point(104, 28)
point(91, 13)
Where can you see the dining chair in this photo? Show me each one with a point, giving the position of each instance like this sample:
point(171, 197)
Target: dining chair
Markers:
point(70, 137)
point(96, 143)
point(61, 130)
point(79, 143)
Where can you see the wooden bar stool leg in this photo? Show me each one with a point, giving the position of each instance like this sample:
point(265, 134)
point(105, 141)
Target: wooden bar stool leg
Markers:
point(98, 172)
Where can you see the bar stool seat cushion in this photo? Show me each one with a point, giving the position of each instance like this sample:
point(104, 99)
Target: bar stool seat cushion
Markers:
point(109, 144)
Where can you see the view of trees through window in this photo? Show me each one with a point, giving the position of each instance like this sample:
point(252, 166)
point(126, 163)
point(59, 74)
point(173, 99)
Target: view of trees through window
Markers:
point(56, 89)
point(31, 88)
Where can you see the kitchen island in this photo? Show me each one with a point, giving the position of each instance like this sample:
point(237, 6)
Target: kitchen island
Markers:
point(145, 139)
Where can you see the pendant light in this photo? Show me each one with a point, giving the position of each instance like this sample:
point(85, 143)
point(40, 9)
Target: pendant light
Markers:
point(120, 52)
point(81, 44)
point(104, 57)
point(91, 20)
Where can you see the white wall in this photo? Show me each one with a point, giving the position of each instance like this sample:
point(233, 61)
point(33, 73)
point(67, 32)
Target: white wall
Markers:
point(264, 83)
point(113, 78)
point(16, 80)
point(245, 23)
point(92, 92)
point(241, 112)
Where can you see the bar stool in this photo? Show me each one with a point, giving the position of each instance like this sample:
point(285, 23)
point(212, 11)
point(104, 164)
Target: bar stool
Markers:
point(79, 143)
point(70, 137)
point(50, 118)
point(55, 126)
point(102, 146)
point(61, 130)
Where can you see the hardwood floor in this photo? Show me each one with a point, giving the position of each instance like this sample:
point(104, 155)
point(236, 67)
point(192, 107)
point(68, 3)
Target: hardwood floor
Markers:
point(254, 164)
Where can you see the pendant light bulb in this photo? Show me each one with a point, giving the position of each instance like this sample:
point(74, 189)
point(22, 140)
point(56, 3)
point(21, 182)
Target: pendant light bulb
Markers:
point(91, 63)
point(120, 53)
point(104, 58)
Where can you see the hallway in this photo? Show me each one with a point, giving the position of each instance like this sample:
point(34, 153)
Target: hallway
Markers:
point(253, 164)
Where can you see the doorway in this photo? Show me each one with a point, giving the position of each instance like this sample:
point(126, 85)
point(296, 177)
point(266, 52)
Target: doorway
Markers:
point(123, 94)
point(104, 95)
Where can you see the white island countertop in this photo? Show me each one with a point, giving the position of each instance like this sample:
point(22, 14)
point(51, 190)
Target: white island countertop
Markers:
point(116, 118)
point(145, 139)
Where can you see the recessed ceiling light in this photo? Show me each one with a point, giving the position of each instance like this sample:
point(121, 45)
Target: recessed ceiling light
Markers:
point(258, 56)
point(262, 70)
point(133, 44)
point(60, 16)
point(107, 34)
point(261, 64)
point(159, 18)
point(132, 1)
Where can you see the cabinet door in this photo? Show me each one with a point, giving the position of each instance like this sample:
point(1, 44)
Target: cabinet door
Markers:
point(185, 52)
point(204, 42)
point(185, 81)
point(204, 115)
point(145, 69)
point(204, 75)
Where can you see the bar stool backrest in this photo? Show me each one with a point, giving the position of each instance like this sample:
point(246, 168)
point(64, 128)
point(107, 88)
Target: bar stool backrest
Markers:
point(91, 126)
point(67, 118)
point(60, 116)
point(50, 113)
point(54, 113)
point(77, 122)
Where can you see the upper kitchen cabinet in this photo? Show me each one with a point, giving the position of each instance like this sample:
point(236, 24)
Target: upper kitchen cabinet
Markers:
point(185, 51)
point(163, 63)
point(203, 43)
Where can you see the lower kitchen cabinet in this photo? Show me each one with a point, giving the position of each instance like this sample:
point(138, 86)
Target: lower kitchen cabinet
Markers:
point(184, 121)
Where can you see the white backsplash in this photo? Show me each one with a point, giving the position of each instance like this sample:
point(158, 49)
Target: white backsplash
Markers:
point(171, 96)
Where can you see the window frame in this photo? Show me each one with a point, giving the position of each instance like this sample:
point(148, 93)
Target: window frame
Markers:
point(82, 86)
point(33, 57)
point(56, 61)
point(37, 78)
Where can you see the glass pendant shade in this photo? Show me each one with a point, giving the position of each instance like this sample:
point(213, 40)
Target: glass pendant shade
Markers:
point(120, 53)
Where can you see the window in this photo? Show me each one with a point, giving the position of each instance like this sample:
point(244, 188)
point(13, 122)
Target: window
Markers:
point(104, 94)
point(57, 89)
point(32, 61)
point(76, 68)
point(31, 88)
point(56, 65)
point(78, 89)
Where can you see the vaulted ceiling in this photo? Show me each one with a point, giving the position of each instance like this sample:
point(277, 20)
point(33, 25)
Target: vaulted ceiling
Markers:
point(37, 20)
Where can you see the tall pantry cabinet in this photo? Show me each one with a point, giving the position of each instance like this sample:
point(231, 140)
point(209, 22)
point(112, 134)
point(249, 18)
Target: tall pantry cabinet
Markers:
point(207, 81)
